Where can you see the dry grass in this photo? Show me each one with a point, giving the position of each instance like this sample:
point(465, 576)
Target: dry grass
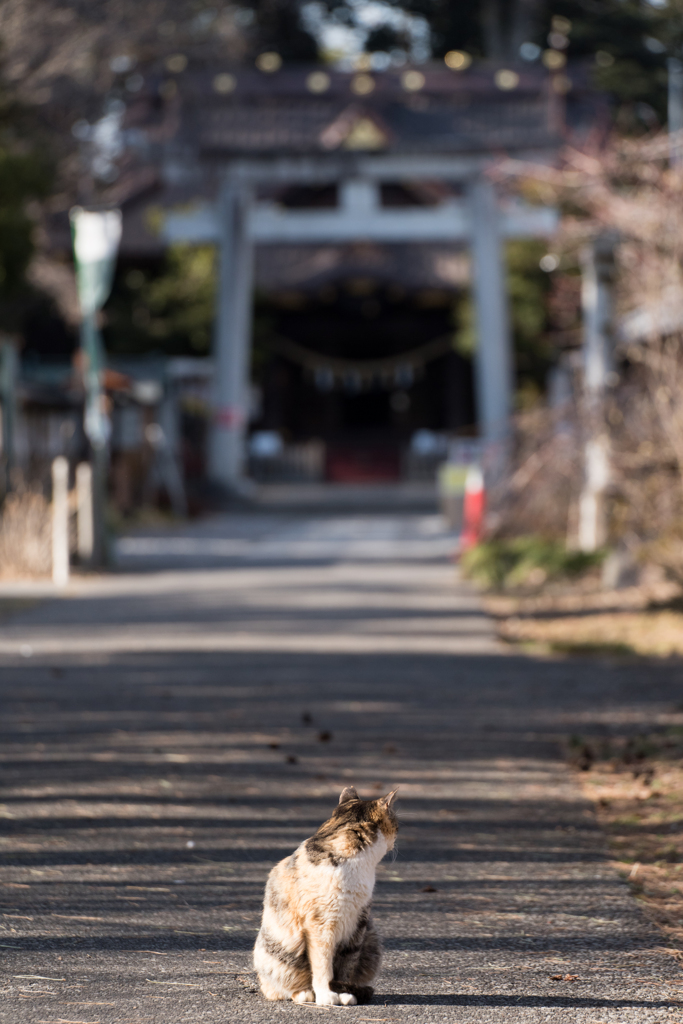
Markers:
point(646, 621)
point(656, 634)
point(640, 807)
point(536, 495)
point(25, 537)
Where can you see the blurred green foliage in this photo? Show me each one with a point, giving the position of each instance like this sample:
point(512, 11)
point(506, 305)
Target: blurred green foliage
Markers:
point(525, 561)
point(165, 308)
point(528, 290)
point(25, 175)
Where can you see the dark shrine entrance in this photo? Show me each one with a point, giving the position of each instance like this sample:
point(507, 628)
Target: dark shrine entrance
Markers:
point(360, 365)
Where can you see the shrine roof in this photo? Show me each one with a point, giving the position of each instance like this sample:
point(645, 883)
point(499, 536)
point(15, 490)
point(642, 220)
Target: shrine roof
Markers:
point(223, 113)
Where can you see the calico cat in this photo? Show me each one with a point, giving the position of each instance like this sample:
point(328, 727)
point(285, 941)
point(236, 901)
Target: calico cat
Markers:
point(317, 940)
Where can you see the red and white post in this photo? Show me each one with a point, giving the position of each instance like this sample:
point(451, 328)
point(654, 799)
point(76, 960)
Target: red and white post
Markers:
point(474, 508)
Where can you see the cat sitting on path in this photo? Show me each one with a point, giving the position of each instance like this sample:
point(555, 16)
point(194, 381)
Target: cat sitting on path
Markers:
point(317, 940)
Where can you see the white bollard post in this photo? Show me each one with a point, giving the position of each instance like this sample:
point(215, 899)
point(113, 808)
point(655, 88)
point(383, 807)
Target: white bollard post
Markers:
point(592, 517)
point(60, 521)
point(84, 513)
point(598, 354)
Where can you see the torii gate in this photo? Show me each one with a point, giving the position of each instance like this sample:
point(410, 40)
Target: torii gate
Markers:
point(236, 223)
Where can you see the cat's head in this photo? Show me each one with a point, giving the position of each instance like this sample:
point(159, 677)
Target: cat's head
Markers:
point(355, 826)
point(378, 812)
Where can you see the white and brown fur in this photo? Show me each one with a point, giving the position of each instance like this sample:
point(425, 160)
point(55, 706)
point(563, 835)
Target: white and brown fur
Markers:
point(317, 940)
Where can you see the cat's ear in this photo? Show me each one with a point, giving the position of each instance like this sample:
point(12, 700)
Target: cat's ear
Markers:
point(387, 801)
point(348, 793)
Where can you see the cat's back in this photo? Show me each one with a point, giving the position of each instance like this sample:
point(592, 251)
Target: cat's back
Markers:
point(298, 880)
point(283, 879)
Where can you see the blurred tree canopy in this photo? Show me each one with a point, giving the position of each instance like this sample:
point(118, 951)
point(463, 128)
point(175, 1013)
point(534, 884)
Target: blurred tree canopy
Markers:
point(624, 41)
point(63, 61)
point(25, 176)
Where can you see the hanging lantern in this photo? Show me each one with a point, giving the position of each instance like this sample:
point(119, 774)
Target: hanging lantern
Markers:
point(353, 382)
point(404, 376)
point(324, 378)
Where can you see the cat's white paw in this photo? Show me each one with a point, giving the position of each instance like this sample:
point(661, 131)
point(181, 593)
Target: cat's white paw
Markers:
point(328, 998)
point(303, 997)
point(346, 999)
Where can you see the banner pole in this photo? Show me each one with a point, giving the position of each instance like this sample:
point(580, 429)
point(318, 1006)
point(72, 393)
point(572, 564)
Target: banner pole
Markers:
point(96, 237)
point(93, 421)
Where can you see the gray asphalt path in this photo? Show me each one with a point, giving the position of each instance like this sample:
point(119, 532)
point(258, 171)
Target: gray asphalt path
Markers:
point(169, 734)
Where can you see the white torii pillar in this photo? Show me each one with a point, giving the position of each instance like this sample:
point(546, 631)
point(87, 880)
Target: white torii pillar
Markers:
point(493, 356)
point(232, 339)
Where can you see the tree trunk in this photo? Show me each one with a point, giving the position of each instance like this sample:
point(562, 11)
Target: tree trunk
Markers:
point(506, 24)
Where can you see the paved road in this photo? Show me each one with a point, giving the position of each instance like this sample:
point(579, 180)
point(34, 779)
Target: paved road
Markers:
point(169, 734)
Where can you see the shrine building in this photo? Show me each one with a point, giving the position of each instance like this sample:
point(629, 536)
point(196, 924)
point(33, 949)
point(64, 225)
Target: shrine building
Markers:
point(355, 210)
